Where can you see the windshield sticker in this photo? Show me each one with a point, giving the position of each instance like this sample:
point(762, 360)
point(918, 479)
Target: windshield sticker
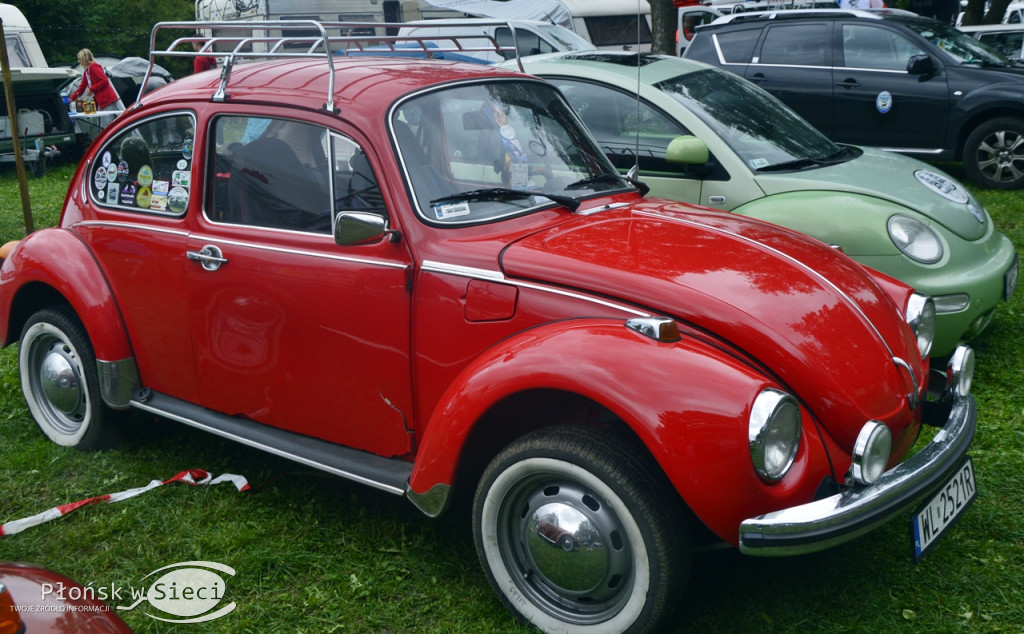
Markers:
point(182, 164)
point(519, 176)
point(444, 212)
point(177, 200)
point(181, 178)
point(883, 102)
point(186, 149)
point(158, 202)
point(111, 173)
point(112, 191)
point(758, 163)
point(145, 175)
point(161, 187)
point(122, 171)
point(105, 161)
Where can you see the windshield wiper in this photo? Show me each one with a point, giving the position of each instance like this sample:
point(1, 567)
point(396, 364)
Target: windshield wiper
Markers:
point(498, 193)
point(609, 178)
point(795, 164)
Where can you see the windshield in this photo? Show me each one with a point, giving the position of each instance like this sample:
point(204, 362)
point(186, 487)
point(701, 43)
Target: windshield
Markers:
point(483, 151)
point(759, 128)
point(963, 48)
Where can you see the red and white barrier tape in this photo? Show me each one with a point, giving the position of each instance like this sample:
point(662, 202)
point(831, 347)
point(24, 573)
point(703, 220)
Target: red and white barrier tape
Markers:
point(195, 477)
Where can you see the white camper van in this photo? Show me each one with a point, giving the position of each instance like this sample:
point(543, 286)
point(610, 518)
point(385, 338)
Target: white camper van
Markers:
point(42, 120)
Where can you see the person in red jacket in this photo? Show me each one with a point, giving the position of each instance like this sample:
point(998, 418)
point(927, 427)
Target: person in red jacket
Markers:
point(96, 85)
point(202, 62)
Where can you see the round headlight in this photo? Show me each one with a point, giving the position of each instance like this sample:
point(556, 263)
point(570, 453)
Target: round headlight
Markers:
point(921, 319)
point(871, 452)
point(773, 433)
point(915, 239)
point(960, 371)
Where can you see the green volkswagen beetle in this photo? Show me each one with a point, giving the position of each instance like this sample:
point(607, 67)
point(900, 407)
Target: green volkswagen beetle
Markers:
point(709, 137)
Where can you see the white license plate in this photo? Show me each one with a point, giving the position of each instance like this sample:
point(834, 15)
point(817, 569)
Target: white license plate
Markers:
point(943, 509)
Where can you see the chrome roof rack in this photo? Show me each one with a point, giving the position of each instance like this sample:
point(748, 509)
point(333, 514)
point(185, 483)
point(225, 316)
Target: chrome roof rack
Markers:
point(251, 40)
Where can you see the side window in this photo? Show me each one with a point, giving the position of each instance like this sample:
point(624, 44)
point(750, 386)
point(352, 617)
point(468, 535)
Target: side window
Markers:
point(355, 186)
point(737, 46)
point(147, 167)
point(1009, 44)
point(271, 173)
point(529, 42)
point(613, 118)
point(797, 45)
point(875, 48)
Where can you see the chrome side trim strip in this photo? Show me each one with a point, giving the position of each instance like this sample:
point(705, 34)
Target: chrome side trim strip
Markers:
point(496, 276)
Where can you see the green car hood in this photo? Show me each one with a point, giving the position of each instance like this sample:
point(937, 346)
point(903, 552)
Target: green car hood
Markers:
point(891, 177)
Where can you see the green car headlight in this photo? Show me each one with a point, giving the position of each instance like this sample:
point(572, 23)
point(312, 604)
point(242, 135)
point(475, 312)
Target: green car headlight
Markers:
point(915, 239)
point(773, 433)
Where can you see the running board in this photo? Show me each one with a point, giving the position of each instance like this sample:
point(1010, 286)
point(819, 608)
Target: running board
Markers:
point(387, 474)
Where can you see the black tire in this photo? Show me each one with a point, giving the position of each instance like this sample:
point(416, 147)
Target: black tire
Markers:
point(994, 154)
point(631, 554)
point(60, 381)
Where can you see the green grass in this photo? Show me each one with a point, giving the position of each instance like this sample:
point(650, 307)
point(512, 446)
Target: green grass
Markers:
point(313, 553)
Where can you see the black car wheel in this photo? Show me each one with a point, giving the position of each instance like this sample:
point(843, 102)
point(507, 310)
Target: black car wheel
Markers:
point(630, 555)
point(994, 154)
point(60, 381)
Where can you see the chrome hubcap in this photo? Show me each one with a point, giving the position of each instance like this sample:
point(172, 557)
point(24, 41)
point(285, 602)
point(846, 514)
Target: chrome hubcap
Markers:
point(58, 387)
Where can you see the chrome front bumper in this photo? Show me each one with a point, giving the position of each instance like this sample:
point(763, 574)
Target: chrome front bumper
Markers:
point(837, 519)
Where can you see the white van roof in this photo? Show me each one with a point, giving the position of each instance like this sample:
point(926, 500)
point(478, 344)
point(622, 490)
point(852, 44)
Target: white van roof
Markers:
point(13, 18)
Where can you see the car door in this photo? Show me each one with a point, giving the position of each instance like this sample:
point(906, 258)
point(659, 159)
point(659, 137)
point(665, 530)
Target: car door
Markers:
point(877, 102)
point(794, 63)
point(289, 328)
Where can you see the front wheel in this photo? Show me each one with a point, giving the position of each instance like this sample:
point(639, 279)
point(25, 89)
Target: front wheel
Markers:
point(994, 154)
point(60, 381)
point(629, 558)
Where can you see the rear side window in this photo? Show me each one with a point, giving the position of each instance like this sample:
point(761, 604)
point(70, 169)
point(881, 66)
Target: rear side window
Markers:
point(1009, 44)
point(797, 45)
point(529, 43)
point(147, 167)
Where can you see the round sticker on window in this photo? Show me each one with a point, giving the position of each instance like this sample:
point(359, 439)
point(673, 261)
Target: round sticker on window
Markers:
point(145, 176)
point(111, 173)
point(182, 164)
point(186, 149)
point(177, 200)
point(883, 102)
point(99, 179)
point(106, 159)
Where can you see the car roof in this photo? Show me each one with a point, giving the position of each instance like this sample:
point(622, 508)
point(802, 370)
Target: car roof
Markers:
point(807, 14)
point(621, 64)
point(363, 81)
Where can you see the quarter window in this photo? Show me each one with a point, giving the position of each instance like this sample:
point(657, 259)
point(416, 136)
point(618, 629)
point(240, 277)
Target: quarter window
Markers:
point(147, 167)
point(737, 46)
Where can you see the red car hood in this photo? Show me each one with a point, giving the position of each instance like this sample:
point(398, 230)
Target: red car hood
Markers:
point(809, 314)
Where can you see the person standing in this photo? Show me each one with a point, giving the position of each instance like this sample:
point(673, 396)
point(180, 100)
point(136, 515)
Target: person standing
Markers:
point(202, 62)
point(96, 85)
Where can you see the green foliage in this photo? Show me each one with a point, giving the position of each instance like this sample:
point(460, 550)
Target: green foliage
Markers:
point(317, 554)
point(112, 27)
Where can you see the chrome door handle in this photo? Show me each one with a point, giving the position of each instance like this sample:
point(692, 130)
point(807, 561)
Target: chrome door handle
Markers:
point(209, 257)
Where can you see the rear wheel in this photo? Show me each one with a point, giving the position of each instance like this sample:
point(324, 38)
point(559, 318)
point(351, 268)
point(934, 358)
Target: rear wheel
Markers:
point(994, 154)
point(60, 381)
point(630, 553)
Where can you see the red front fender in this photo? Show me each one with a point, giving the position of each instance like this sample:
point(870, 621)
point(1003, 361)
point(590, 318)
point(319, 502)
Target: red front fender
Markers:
point(51, 265)
point(687, 401)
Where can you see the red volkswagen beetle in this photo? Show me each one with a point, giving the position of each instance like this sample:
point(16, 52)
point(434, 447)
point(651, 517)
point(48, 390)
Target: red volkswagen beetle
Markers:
point(426, 277)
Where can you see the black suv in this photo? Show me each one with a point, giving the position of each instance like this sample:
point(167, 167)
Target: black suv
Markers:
point(886, 78)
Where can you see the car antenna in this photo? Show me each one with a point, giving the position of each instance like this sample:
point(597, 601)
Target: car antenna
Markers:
point(634, 172)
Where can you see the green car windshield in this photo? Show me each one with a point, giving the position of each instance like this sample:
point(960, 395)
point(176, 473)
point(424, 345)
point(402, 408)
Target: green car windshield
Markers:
point(766, 134)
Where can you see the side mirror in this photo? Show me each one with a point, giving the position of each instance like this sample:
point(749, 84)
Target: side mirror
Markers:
point(358, 227)
point(920, 65)
point(687, 150)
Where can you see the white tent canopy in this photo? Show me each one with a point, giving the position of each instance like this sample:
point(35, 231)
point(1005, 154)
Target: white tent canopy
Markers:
point(543, 10)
